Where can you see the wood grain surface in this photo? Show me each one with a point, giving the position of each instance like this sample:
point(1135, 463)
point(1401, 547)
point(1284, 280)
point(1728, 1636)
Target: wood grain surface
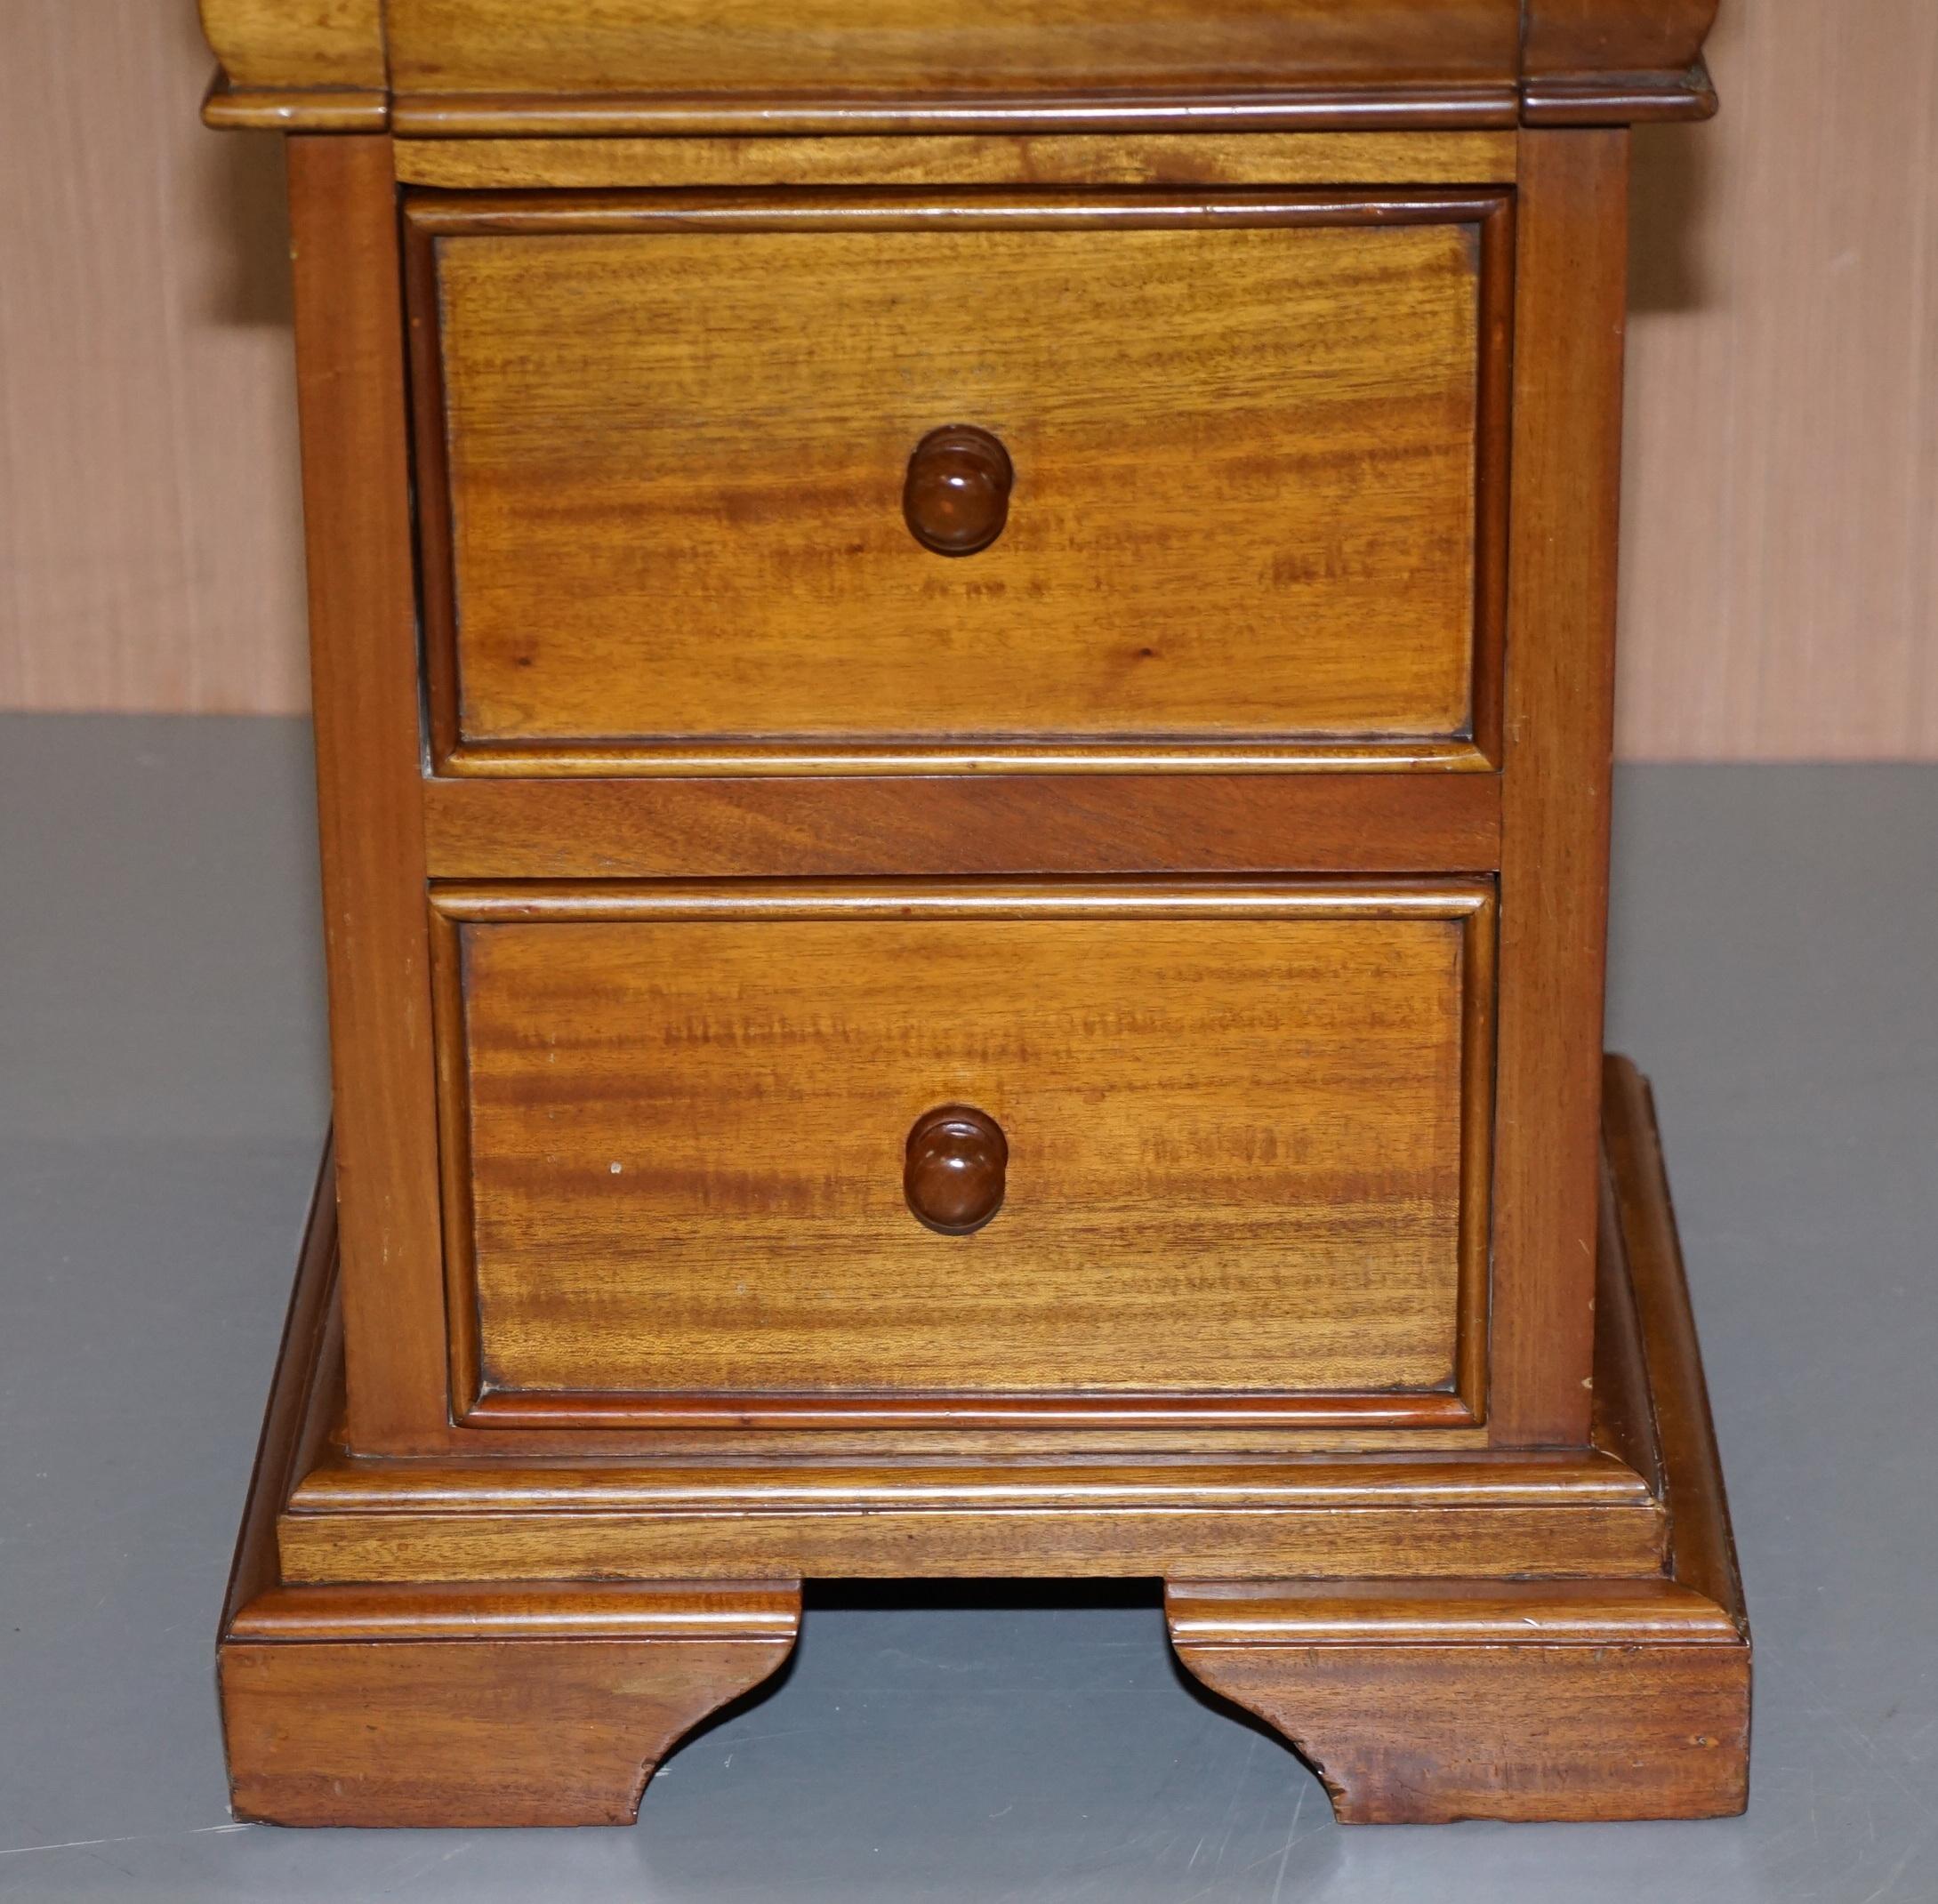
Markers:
point(1075, 158)
point(1019, 46)
point(1555, 796)
point(1425, 1701)
point(472, 67)
point(1499, 1636)
point(1617, 1720)
point(769, 824)
point(363, 626)
point(298, 44)
point(1573, 37)
point(480, 1705)
point(509, 1730)
point(337, 1483)
point(1062, 1506)
point(1245, 437)
point(1239, 1125)
point(1046, 1533)
point(1704, 1551)
point(1047, 1540)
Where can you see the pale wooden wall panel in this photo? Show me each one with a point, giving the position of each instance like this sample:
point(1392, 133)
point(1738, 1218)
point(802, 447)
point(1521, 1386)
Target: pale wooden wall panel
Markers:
point(1781, 571)
point(149, 529)
point(1780, 579)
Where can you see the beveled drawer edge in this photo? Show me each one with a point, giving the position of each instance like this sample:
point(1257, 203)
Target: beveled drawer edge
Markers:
point(1027, 206)
point(1314, 107)
point(1588, 99)
point(229, 108)
point(530, 902)
point(646, 758)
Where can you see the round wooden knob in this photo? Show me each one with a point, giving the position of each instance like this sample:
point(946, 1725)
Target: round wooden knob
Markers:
point(953, 1178)
point(957, 497)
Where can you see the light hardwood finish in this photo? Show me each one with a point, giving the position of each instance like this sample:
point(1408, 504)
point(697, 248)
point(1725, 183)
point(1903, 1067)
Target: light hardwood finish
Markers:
point(1441, 1516)
point(1445, 1517)
point(475, 68)
point(1621, 1691)
point(1246, 1130)
point(229, 109)
point(1404, 105)
point(965, 803)
point(1592, 1699)
point(315, 65)
point(509, 1521)
point(1560, 713)
point(475, 1706)
point(491, 1719)
point(1571, 58)
point(664, 1610)
point(298, 44)
point(1435, 1702)
point(1124, 158)
point(335, 1483)
point(1452, 1612)
point(1113, 1540)
point(989, 47)
point(1256, 509)
point(363, 636)
point(305, 1398)
point(1655, 1288)
point(772, 826)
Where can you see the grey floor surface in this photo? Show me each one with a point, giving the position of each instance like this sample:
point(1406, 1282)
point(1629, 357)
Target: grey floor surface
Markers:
point(161, 1101)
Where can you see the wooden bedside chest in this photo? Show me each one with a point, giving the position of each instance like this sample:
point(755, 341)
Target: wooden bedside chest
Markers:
point(963, 677)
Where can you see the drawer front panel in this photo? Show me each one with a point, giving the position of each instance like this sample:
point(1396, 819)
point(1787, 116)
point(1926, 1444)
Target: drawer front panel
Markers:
point(1245, 1133)
point(976, 47)
point(1247, 442)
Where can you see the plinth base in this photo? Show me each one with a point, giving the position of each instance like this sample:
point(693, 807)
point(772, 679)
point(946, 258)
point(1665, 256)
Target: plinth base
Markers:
point(1417, 1692)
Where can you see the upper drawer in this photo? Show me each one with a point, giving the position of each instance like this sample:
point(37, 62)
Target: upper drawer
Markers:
point(1247, 482)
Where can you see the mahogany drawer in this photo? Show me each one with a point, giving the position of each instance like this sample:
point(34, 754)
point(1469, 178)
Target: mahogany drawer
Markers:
point(684, 505)
point(806, 51)
point(1234, 1137)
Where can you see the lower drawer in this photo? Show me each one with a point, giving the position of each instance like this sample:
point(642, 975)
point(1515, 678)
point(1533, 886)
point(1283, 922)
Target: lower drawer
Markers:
point(721, 1151)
